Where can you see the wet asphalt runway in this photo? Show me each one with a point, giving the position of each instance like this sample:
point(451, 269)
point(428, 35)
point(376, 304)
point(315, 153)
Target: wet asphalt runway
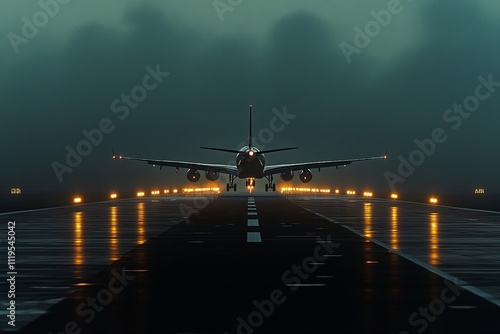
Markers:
point(256, 265)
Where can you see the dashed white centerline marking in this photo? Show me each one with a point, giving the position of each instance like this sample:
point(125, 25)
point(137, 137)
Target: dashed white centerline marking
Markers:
point(253, 222)
point(253, 237)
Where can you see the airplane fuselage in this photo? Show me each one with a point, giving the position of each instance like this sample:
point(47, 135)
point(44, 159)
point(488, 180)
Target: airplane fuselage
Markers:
point(250, 163)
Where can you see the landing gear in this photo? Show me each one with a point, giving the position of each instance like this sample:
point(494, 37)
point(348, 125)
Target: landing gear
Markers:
point(270, 184)
point(231, 183)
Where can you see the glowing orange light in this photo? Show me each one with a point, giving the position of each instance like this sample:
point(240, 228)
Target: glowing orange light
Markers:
point(337, 191)
point(113, 196)
point(199, 190)
point(368, 194)
point(394, 196)
point(175, 191)
point(250, 153)
point(433, 200)
point(140, 194)
point(77, 200)
point(305, 190)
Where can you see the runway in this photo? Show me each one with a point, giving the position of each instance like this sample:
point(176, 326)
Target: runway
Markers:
point(458, 243)
point(60, 249)
point(256, 264)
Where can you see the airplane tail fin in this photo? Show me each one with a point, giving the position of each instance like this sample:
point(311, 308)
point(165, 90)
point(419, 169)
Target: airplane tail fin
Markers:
point(249, 142)
point(250, 130)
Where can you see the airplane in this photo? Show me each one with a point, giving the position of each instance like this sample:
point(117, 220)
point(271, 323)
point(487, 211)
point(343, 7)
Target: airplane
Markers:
point(250, 165)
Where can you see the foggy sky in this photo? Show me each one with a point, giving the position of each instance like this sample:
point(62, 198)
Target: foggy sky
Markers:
point(271, 55)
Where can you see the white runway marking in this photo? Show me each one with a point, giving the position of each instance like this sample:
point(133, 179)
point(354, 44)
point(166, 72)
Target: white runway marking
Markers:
point(253, 237)
point(465, 285)
point(253, 222)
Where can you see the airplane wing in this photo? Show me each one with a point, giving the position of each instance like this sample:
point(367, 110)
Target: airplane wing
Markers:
point(225, 169)
point(275, 169)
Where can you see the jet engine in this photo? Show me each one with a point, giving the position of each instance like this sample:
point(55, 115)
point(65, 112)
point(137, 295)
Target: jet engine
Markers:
point(306, 175)
point(287, 176)
point(193, 175)
point(211, 175)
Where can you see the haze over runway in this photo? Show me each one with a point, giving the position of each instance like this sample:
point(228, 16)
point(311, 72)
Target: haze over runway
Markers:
point(404, 94)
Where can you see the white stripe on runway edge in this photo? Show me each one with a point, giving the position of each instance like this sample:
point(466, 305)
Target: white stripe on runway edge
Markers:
point(252, 221)
point(463, 284)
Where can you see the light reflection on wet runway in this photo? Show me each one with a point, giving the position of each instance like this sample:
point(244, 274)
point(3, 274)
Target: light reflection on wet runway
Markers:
point(60, 248)
point(394, 227)
point(434, 238)
point(463, 243)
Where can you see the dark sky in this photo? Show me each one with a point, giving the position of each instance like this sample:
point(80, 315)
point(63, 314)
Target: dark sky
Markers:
point(284, 54)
